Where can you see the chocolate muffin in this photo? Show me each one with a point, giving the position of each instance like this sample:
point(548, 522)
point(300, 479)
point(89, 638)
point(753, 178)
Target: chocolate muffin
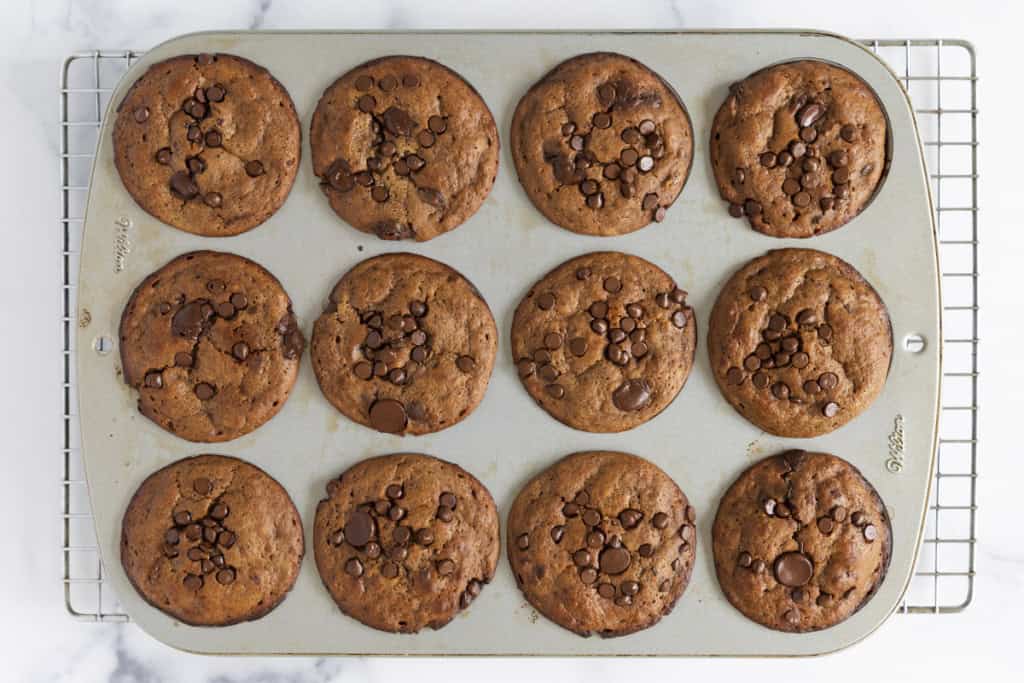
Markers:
point(801, 541)
point(602, 542)
point(207, 143)
point(800, 343)
point(405, 541)
point(211, 541)
point(602, 144)
point(212, 346)
point(405, 345)
point(799, 148)
point(404, 148)
point(604, 342)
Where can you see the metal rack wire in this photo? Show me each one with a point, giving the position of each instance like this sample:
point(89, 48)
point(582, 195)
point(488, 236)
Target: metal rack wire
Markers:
point(939, 76)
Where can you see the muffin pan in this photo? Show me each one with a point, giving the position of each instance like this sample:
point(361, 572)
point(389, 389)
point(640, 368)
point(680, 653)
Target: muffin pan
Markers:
point(699, 440)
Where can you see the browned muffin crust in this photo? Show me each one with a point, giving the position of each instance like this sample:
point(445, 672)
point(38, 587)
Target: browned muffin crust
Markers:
point(404, 148)
point(212, 346)
point(406, 345)
point(212, 541)
point(602, 144)
point(801, 541)
point(404, 542)
point(799, 148)
point(602, 542)
point(209, 144)
point(604, 342)
point(799, 342)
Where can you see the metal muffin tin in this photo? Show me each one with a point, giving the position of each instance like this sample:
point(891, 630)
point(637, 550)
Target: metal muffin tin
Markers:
point(699, 439)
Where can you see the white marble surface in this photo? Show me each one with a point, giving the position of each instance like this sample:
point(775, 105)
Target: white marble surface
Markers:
point(38, 640)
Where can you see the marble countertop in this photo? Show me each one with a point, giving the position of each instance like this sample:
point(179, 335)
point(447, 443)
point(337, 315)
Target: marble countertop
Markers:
point(39, 640)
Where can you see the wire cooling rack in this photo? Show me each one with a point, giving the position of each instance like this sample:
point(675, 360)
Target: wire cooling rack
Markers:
point(939, 76)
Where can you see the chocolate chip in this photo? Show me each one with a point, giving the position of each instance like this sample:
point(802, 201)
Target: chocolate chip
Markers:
point(154, 379)
point(546, 301)
point(825, 525)
point(213, 139)
point(425, 537)
point(780, 390)
point(205, 391)
point(602, 120)
point(202, 486)
point(793, 569)
point(354, 567)
point(215, 93)
point(830, 409)
point(141, 114)
point(679, 319)
point(659, 520)
point(591, 517)
point(388, 415)
point(629, 518)
point(614, 560)
point(366, 103)
point(183, 186)
point(828, 380)
point(848, 132)
point(645, 163)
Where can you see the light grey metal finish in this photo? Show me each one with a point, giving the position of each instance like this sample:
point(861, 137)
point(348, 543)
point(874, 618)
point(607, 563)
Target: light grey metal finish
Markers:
point(943, 579)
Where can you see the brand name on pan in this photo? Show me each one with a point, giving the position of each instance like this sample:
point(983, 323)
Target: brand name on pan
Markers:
point(122, 243)
point(894, 463)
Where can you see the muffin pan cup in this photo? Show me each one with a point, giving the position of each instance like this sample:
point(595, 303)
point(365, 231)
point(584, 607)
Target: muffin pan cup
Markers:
point(699, 440)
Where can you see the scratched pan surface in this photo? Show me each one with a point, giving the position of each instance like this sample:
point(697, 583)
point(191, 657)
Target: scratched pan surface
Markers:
point(699, 440)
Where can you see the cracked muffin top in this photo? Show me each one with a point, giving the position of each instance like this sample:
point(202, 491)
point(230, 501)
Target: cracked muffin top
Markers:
point(212, 346)
point(207, 143)
point(406, 541)
point(801, 541)
point(604, 342)
point(404, 148)
point(212, 541)
point(602, 145)
point(800, 343)
point(602, 542)
point(799, 148)
point(405, 345)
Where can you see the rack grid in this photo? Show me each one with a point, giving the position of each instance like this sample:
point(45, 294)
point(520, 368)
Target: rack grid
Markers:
point(940, 78)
